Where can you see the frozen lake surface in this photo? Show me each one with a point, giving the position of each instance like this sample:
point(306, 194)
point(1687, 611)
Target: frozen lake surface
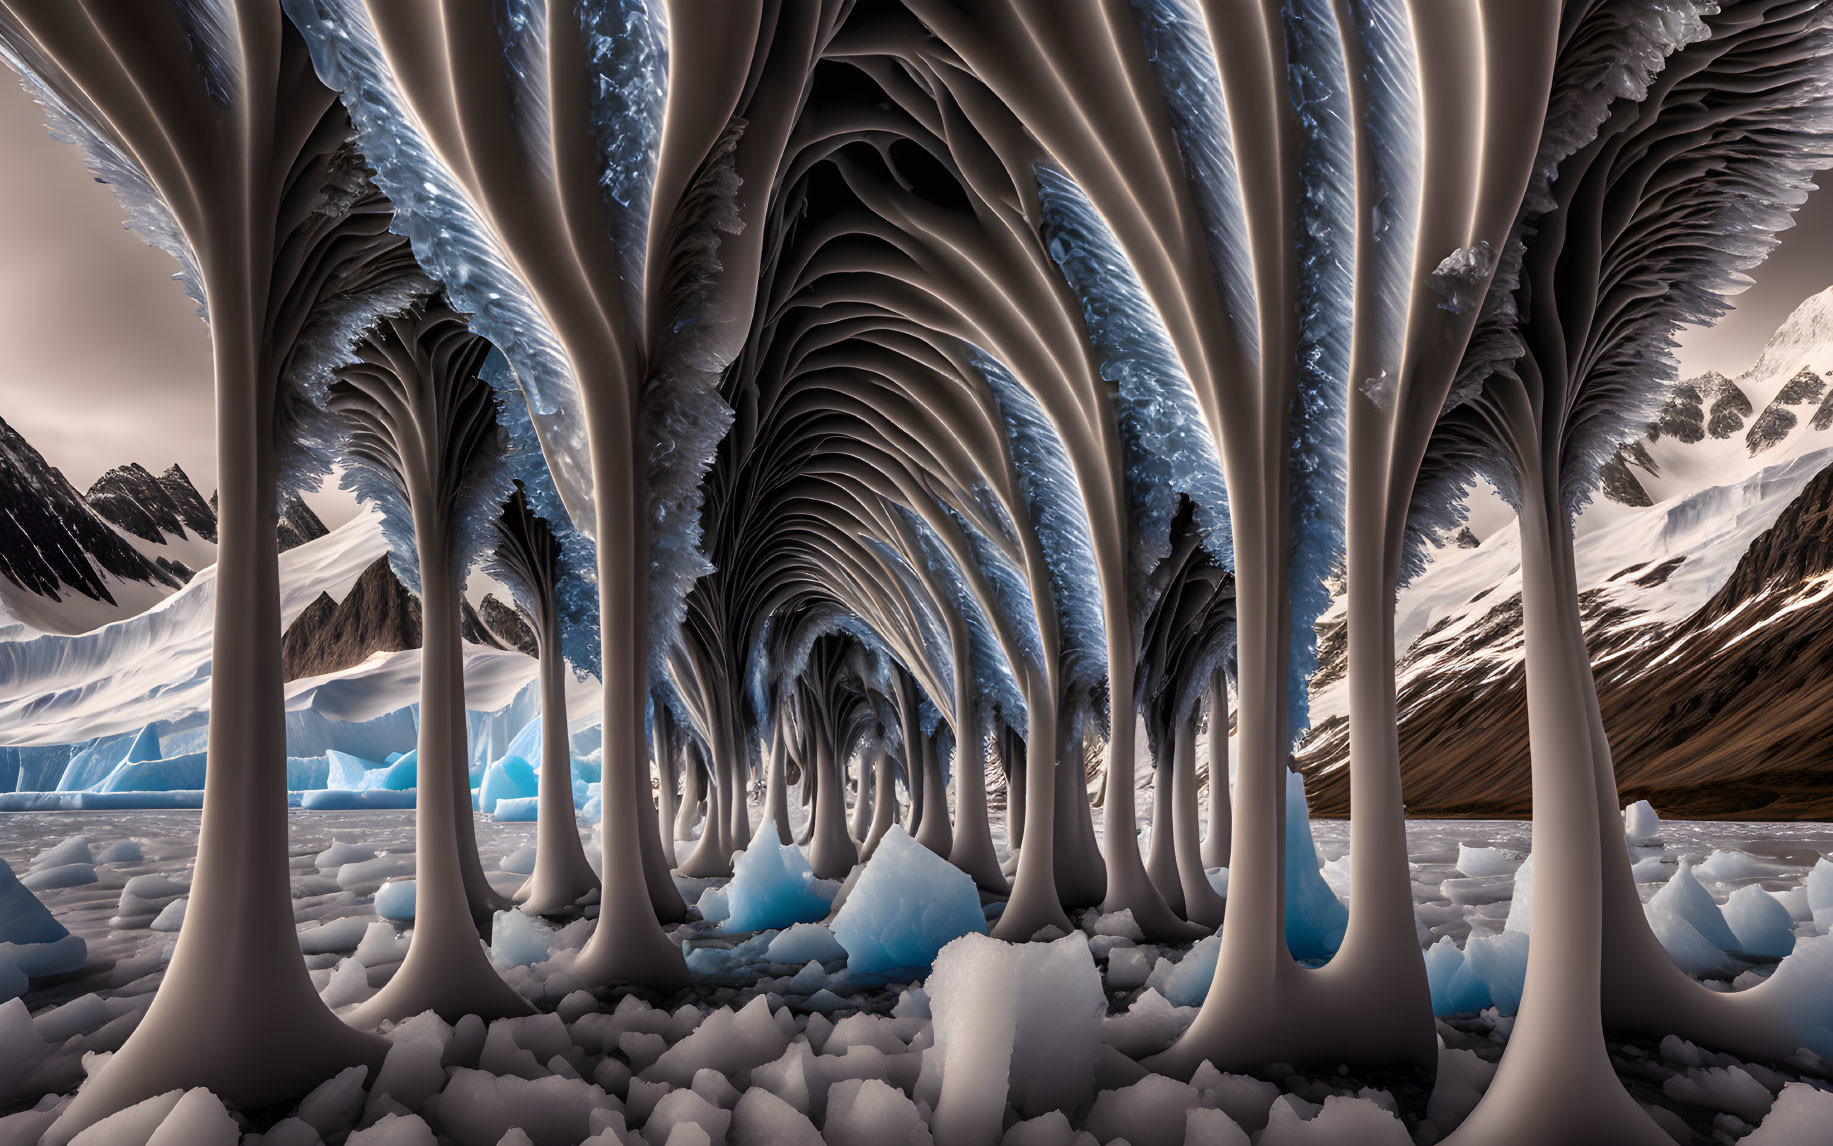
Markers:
point(858, 1043)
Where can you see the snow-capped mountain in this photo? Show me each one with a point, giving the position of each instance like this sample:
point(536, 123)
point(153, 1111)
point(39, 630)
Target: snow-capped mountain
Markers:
point(63, 565)
point(71, 562)
point(1706, 566)
point(59, 692)
point(155, 509)
point(1715, 430)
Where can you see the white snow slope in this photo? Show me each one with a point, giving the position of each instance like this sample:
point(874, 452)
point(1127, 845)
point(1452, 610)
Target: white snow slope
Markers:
point(57, 689)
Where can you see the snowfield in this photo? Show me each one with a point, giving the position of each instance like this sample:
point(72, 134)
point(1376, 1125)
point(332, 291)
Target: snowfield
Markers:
point(809, 1032)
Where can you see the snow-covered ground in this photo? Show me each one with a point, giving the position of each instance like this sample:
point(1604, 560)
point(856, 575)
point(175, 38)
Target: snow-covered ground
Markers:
point(785, 1039)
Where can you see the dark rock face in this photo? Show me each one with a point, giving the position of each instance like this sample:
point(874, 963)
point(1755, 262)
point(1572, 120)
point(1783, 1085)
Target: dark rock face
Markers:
point(298, 525)
point(1465, 539)
point(1684, 415)
point(1705, 719)
point(190, 505)
point(505, 623)
point(471, 627)
point(1798, 547)
point(1620, 483)
point(1805, 388)
point(1776, 420)
point(155, 509)
point(135, 500)
point(1823, 417)
point(51, 539)
point(1727, 406)
point(378, 614)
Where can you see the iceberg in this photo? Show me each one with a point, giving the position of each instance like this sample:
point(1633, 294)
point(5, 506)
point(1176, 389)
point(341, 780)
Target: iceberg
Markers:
point(1315, 918)
point(510, 778)
point(772, 886)
point(1760, 922)
point(33, 944)
point(907, 905)
point(1685, 897)
point(520, 810)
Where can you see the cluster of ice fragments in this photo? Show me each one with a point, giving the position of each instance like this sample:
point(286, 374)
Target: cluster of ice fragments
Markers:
point(33, 944)
point(137, 771)
point(1739, 936)
point(880, 1011)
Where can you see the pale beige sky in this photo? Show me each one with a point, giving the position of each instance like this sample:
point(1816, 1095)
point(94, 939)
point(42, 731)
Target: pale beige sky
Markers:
point(107, 361)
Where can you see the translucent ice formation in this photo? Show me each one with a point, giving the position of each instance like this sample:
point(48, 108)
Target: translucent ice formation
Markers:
point(772, 886)
point(907, 905)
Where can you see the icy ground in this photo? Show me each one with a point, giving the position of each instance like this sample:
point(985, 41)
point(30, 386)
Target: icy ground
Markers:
point(781, 1042)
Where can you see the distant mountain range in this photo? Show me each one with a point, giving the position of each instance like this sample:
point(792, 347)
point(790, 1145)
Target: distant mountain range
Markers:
point(70, 561)
point(1707, 574)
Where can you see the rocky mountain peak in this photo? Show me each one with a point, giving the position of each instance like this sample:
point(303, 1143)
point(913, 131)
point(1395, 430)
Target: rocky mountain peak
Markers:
point(192, 509)
point(151, 508)
point(51, 540)
point(380, 614)
point(377, 614)
point(1777, 419)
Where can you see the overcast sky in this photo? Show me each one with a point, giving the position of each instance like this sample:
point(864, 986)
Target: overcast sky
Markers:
point(108, 362)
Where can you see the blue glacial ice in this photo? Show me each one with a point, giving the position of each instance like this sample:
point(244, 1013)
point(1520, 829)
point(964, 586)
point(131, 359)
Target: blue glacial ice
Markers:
point(1488, 972)
point(772, 886)
point(33, 944)
point(1687, 898)
point(1315, 917)
point(510, 778)
point(395, 900)
point(1760, 922)
point(907, 905)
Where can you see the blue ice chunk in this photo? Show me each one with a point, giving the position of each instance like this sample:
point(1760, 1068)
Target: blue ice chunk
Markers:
point(1500, 961)
point(23, 919)
point(395, 900)
point(145, 746)
point(713, 906)
point(402, 773)
point(304, 773)
point(510, 778)
point(1315, 917)
point(175, 773)
point(1762, 925)
point(1684, 896)
point(517, 810)
point(33, 944)
point(1690, 951)
point(1443, 962)
point(907, 905)
point(348, 773)
point(728, 964)
point(1466, 993)
point(392, 757)
point(803, 942)
point(527, 741)
point(1186, 983)
point(771, 886)
point(91, 765)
